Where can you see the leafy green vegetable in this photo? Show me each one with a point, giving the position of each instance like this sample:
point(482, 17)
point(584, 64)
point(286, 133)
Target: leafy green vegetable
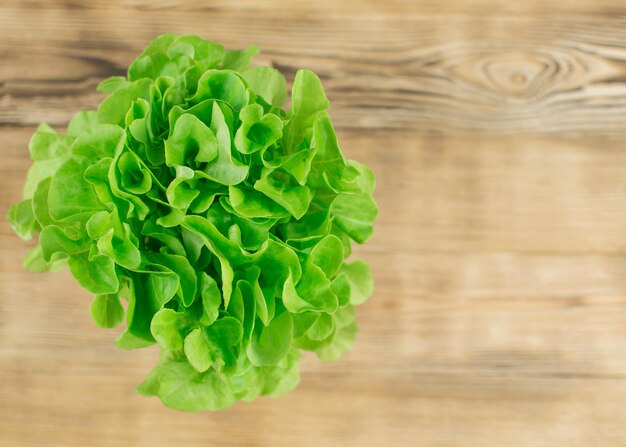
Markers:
point(219, 218)
point(107, 311)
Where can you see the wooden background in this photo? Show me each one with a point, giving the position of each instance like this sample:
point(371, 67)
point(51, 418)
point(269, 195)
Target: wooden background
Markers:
point(497, 130)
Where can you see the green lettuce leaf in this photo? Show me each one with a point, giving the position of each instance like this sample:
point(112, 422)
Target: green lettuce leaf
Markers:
point(212, 221)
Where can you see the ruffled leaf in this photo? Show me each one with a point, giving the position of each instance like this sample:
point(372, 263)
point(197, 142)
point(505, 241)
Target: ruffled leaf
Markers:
point(107, 311)
point(222, 219)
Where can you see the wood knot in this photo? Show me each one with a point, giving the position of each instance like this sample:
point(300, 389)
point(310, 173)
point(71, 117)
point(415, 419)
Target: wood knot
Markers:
point(522, 75)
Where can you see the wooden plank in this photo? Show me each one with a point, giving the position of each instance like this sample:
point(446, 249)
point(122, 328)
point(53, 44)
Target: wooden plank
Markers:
point(523, 194)
point(321, 9)
point(489, 313)
point(448, 74)
point(479, 193)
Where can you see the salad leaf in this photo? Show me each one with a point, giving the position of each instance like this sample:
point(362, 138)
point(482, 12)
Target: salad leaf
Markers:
point(107, 311)
point(212, 220)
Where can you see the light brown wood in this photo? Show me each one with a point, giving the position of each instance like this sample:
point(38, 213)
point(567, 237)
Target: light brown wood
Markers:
point(497, 131)
point(388, 71)
point(326, 8)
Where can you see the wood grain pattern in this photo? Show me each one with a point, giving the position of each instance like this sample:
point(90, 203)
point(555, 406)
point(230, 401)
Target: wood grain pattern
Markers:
point(278, 8)
point(497, 131)
point(384, 71)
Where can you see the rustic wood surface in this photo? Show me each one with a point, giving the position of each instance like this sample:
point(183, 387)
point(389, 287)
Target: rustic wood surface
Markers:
point(497, 130)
